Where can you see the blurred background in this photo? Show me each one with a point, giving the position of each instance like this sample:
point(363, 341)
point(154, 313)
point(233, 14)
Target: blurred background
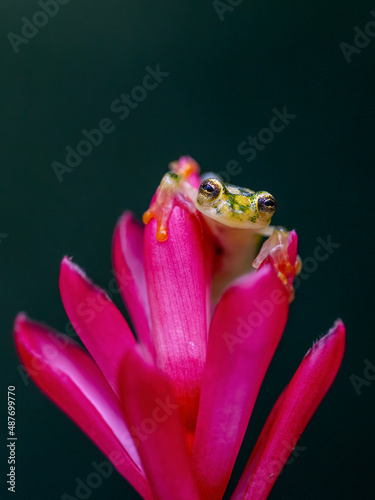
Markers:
point(222, 71)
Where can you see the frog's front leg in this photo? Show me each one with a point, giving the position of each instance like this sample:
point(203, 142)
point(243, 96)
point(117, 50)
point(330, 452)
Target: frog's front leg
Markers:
point(277, 249)
point(163, 204)
point(174, 186)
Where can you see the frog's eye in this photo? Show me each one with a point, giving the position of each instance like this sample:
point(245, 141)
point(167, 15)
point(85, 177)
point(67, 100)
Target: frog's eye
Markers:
point(266, 204)
point(209, 191)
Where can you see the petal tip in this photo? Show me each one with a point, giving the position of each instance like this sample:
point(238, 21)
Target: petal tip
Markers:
point(20, 319)
point(67, 262)
point(69, 270)
point(336, 332)
point(333, 341)
point(125, 217)
point(22, 325)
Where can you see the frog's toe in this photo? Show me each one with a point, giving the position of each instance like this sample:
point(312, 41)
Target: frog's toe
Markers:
point(147, 216)
point(162, 232)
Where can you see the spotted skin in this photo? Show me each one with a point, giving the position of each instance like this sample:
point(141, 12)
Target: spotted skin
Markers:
point(235, 206)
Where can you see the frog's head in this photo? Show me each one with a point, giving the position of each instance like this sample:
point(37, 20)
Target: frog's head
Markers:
point(235, 206)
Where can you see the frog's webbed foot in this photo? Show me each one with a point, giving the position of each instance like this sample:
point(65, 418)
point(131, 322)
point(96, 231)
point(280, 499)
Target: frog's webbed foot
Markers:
point(174, 187)
point(163, 205)
point(276, 249)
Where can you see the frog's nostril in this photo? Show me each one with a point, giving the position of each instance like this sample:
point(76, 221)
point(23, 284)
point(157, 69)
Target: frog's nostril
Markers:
point(267, 204)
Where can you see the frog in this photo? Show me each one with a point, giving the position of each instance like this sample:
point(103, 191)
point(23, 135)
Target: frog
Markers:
point(235, 206)
point(237, 218)
point(224, 203)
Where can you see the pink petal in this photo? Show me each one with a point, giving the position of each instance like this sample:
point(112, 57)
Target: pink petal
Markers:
point(153, 417)
point(292, 246)
point(177, 286)
point(245, 330)
point(291, 414)
point(98, 322)
point(127, 257)
point(71, 379)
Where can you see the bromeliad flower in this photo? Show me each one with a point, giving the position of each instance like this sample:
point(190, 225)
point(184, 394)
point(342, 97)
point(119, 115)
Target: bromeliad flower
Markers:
point(171, 408)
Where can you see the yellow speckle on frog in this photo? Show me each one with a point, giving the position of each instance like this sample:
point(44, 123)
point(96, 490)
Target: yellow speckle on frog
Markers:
point(243, 200)
point(226, 204)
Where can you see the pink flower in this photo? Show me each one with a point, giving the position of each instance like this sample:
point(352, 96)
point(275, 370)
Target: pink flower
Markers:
point(170, 411)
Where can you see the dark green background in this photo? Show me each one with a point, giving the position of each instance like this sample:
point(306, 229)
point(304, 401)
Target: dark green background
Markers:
point(225, 79)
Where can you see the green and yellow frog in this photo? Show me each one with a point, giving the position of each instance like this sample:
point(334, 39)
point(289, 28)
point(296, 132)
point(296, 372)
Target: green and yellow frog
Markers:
point(237, 217)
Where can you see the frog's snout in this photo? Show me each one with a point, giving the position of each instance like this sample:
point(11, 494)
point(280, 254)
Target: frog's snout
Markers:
point(266, 204)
